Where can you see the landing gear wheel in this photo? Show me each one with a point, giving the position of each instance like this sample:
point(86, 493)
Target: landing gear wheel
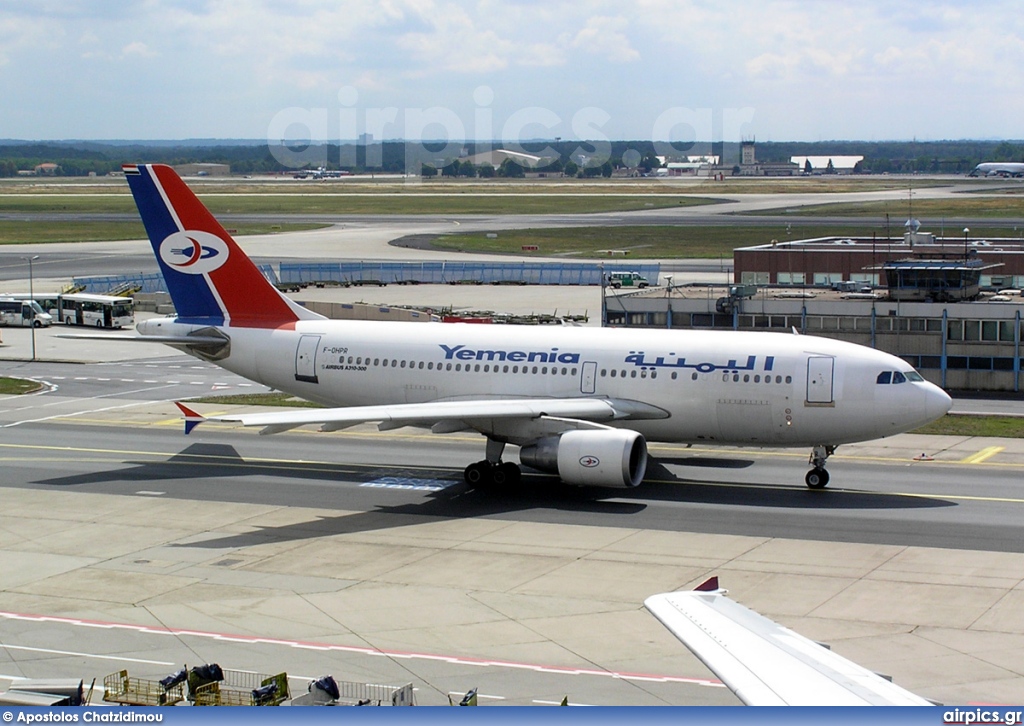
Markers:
point(817, 478)
point(506, 476)
point(479, 475)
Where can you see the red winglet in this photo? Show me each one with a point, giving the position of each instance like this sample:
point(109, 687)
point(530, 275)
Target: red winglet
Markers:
point(709, 585)
point(192, 419)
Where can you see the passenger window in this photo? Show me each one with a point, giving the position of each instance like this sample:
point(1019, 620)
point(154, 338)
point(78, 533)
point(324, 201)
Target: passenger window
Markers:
point(898, 377)
point(884, 378)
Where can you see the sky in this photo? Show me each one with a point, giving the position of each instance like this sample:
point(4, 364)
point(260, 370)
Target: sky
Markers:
point(676, 70)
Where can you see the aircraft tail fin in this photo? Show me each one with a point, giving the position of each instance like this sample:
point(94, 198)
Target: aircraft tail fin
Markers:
point(209, 278)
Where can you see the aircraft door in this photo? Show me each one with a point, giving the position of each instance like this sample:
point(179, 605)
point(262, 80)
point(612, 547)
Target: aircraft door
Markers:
point(588, 379)
point(819, 380)
point(305, 359)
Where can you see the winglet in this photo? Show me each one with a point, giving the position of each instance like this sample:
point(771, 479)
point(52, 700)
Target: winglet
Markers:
point(709, 585)
point(192, 419)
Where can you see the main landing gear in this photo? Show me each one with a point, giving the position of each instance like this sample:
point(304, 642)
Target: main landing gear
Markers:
point(817, 478)
point(492, 473)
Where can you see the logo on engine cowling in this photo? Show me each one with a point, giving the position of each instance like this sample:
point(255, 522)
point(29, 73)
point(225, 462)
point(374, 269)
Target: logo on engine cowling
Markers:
point(589, 462)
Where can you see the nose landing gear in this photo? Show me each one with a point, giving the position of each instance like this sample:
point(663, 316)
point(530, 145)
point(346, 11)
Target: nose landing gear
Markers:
point(817, 478)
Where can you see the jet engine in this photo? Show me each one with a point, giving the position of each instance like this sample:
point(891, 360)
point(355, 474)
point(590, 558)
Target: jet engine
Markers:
point(604, 458)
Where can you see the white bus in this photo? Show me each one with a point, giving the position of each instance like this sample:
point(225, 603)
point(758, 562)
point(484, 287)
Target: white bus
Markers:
point(23, 313)
point(100, 311)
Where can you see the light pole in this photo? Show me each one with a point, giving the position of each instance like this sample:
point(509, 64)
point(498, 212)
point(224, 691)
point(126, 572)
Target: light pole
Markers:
point(668, 301)
point(966, 232)
point(32, 298)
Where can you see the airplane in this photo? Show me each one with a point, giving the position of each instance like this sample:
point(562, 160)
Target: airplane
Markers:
point(578, 402)
point(998, 168)
point(767, 664)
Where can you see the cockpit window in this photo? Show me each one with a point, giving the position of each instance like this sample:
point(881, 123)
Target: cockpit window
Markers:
point(898, 377)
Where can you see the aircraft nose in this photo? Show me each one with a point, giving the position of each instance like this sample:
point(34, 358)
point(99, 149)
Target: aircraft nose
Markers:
point(938, 403)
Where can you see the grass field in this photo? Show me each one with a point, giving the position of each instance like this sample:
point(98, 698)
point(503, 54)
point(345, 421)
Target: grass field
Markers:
point(19, 232)
point(399, 203)
point(17, 386)
point(641, 242)
point(257, 399)
point(994, 207)
point(952, 424)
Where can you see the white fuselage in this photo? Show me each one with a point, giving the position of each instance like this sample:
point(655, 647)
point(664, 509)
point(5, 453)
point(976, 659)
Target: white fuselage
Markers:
point(769, 389)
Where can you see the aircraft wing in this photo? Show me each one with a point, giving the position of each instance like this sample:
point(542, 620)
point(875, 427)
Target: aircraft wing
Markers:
point(764, 663)
point(594, 410)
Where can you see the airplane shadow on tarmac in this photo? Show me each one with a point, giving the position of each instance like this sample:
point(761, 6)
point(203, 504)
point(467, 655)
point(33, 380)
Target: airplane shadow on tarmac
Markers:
point(543, 495)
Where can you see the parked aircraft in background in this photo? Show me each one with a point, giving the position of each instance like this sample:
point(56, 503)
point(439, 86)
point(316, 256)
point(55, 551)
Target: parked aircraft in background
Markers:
point(578, 402)
point(998, 168)
point(764, 663)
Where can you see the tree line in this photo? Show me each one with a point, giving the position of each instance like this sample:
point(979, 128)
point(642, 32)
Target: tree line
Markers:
point(569, 158)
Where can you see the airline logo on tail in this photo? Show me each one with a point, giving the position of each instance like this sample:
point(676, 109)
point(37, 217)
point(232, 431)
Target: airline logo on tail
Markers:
point(194, 252)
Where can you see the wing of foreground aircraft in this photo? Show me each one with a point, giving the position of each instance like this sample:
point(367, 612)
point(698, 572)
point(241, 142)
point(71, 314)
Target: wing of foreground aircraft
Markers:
point(764, 663)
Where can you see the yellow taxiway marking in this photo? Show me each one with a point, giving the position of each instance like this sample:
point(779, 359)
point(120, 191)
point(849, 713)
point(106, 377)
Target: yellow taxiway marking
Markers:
point(987, 453)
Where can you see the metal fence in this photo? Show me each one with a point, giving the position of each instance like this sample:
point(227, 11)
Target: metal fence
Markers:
point(145, 281)
point(293, 273)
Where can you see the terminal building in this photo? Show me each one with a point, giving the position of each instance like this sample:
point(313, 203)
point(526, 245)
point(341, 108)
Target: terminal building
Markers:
point(955, 317)
point(824, 261)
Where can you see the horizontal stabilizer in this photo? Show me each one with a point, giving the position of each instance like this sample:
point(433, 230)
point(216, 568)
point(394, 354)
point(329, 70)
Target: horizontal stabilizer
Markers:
point(196, 341)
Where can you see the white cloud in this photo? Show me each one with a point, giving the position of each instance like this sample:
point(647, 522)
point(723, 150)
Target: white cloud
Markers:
point(604, 36)
point(850, 68)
